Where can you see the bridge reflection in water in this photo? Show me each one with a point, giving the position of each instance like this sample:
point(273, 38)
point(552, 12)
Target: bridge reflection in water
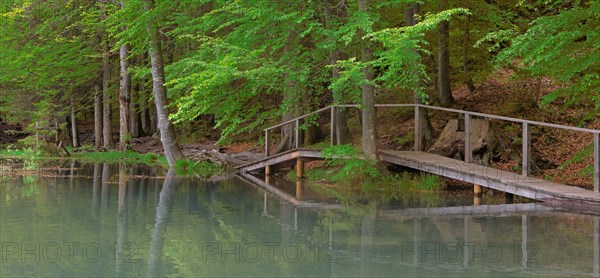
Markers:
point(422, 251)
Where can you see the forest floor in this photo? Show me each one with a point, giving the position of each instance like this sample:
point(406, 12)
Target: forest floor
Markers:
point(559, 154)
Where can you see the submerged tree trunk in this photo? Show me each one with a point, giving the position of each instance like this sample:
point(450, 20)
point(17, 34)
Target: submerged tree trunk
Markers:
point(74, 131)
point(427, 131)
point(97, 116)
point(107, 113)
point(369, 116)
point(445, 92)
point(167, 135)
point(124, 97)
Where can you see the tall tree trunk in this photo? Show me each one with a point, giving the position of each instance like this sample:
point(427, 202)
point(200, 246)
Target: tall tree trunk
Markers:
point(287, 131)
point(97, 116)
point(134, 116)
point(369, 116)
point(145, 118)
point(445, 92)
point(106, 99)
point(466, 47)
point(144, 109)
point(124, 96)
point(427, 131)
point(167, 135)
point(74, 132)
point(342, 132)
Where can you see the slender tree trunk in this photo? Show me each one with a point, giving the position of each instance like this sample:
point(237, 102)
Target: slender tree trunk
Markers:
point(369, 116)
point(144, 109)
point(145, 118)
point(97, 116)
point(445, 92)
point(167, 135)
point(287, 131)
point(124, 96)
point(134, 116)
point(466, 47)
point(342, 132)
point(74, 132)
point(106, 99)
point(427, 130)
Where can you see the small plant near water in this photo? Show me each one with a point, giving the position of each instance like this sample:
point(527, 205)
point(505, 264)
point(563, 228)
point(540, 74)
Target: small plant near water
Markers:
point(31, 157)
point(350, 163)
point(203, 168)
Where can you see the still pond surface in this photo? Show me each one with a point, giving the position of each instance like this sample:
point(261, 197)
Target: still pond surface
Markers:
point(111, 220)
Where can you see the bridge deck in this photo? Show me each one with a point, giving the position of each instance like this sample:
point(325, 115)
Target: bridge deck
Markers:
point(513, 183)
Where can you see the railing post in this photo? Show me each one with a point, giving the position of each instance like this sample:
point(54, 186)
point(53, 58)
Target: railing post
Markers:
point(526, 149)
point(297, 133)
point(418, 130)
point(332, 125)
point(267, 143)
point(597, 162)
point(468, 145)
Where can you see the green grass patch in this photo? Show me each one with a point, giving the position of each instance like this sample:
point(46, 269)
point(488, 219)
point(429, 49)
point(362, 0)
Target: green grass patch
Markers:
point(129, 157)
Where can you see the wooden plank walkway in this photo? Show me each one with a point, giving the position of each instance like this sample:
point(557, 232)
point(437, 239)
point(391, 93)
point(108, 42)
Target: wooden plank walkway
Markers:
point(513, 183)
point(537, 189)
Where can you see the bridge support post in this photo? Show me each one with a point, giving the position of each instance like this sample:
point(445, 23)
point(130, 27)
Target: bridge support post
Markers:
point(299, 168)
point(526, 149)
point(477, 190)
point(597, 162)
point(268, 170)
point(418, 131)
point(299, 189)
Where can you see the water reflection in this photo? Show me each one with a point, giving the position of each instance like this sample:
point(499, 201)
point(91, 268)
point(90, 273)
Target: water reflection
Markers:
point(147, 224)
point(163, 209)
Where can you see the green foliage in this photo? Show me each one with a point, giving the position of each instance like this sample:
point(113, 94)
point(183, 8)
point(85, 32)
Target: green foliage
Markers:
point(193, 168)
point(350, 163)
point(579, 157)
point(30, 158)
point(405, 139)
point(563, 46)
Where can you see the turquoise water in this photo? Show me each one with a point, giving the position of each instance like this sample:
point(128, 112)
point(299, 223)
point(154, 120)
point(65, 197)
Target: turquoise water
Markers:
point(110, 220)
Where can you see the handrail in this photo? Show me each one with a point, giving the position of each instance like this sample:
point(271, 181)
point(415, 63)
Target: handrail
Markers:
point(468, 118)
point(504, 118)
point(472, 113)
point(298, 118)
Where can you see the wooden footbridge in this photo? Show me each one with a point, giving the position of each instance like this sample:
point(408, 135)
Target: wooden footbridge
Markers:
point(513, 183)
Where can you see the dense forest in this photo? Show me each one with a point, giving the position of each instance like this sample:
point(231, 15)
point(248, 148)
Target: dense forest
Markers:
point(140, 67)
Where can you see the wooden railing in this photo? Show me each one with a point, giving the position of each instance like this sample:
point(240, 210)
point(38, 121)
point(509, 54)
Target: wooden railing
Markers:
point(468, 116)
